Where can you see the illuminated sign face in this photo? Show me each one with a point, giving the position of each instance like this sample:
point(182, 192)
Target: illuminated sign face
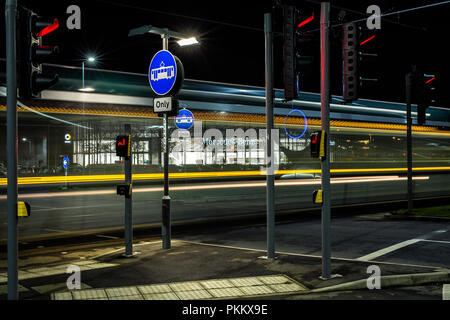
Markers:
point(304, 119)
point(123, 148)
point(162, 73)
point(65, 162)
point(184, 120)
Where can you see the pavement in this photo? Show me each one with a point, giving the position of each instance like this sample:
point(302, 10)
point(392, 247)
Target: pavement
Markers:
point(192, 270)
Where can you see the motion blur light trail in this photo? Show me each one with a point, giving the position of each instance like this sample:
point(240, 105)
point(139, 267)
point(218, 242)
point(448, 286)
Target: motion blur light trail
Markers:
point(184, 175)
point(222, 185)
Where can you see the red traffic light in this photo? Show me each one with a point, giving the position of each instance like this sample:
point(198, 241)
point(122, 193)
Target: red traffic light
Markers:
point(367, 40)
point(301, 24)
point(430, 80)
point(49, 28)
point(123, 146)
point(317, 145)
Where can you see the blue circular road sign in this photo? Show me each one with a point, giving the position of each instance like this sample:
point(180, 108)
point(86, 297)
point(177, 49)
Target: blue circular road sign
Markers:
point(65, 162)
point(162, 72)
point(184, 120)
point(304, 129)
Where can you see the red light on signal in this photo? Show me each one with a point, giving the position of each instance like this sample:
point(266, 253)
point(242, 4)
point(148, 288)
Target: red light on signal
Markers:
point(301, 24)
point(430, 80)
point(314, 141)
point(48, 29)
point(367, 40)
point(122, 143)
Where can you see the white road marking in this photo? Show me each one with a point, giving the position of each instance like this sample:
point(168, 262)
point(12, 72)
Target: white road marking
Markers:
point(55, 230)
point(437, 241)
point(306, 255)
point(387, 250)
point(400, 245)
point(103, 236)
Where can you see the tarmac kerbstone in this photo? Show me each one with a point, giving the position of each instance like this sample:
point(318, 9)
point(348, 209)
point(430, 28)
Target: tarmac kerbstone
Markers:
point(391, 281)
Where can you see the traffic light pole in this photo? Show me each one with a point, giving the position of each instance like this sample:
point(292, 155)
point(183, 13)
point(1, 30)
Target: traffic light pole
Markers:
point(11, 120)
point(128, 201)
point(409, 141)
point(325, 122)
point(270, 159)
point(166, 232)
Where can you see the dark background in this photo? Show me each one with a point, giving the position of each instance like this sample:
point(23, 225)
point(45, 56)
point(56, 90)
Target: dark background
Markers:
point(232, 40)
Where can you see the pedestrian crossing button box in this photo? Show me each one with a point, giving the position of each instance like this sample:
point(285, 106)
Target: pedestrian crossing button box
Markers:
point(124, 190)
point(23, 209)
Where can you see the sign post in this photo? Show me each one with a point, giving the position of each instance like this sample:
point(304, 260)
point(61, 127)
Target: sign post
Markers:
point(123, 149)
point(409, 140)
point(325, 122)
point(11, 124)
point(65, 165)
point(166, 75)
point(128, 200)
point(270, 158)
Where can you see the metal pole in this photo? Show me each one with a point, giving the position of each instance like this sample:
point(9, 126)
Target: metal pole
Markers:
point(65, 174)
point(82, 74)
point(325, 163)
point(269, 145)
point(128, 201)
point(11, 120)
point(409, 141)
point(166, 232)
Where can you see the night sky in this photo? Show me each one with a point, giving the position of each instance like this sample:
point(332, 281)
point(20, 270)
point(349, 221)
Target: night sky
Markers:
point(232, 40)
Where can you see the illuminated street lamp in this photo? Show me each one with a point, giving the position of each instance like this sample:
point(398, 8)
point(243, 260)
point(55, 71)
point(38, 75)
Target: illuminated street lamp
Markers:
point(187, 42)
point(24, 139)
point(83, 88)
point(183, 40)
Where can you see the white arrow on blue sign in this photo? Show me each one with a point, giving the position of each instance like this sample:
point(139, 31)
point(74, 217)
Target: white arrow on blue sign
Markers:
point(162, 72)
point(65, 162)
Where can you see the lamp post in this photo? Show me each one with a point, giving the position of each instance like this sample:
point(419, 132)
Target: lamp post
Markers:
point(83, 88)
point(29, 144)
point(183, 40)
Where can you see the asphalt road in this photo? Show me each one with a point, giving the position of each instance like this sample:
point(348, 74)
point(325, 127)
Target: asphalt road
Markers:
point(87, 209)
point(362, 238)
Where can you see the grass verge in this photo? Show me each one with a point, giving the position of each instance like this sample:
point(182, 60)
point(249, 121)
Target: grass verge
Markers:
point(440, 211)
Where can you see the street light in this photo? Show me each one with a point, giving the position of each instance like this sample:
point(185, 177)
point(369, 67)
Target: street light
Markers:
point(83, 88)
point(187, 42)
point(24, 139)
point(183, 39)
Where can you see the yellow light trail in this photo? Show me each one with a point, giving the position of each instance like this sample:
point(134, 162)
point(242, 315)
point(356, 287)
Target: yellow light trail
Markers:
point(222, 185)
point(185, 175)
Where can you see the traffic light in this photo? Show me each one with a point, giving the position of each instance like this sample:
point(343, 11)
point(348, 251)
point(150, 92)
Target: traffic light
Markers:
point(354, 65)
point(297, 64)
point(123, 146)
point(423, 93)
point(32, 53)
point(351, 60)
point(317, 144)
point(289, 54)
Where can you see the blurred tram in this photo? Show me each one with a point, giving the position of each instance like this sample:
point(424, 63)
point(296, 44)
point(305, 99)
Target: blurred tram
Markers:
point(227, 140)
